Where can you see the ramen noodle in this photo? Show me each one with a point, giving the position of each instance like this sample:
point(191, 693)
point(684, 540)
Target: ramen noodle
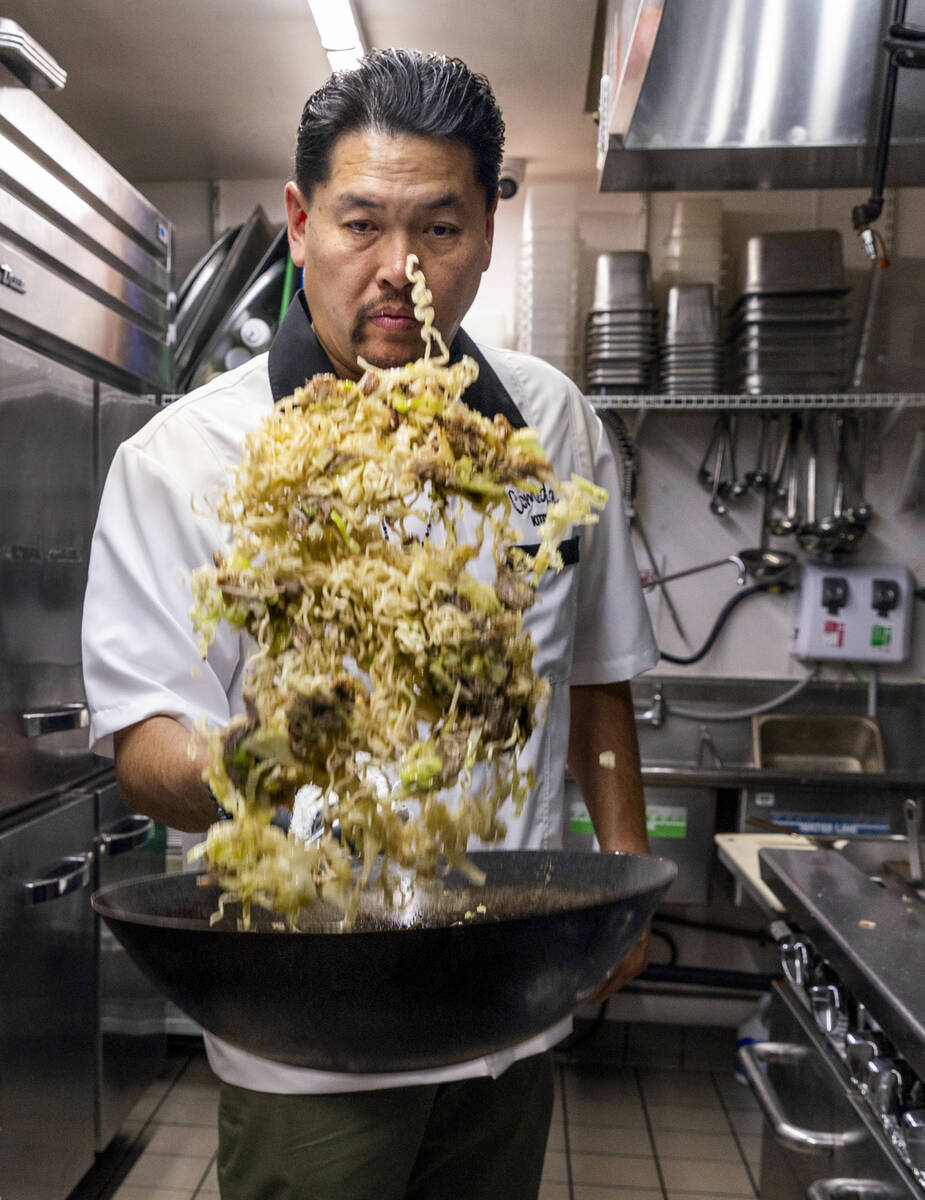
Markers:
point(384, 671)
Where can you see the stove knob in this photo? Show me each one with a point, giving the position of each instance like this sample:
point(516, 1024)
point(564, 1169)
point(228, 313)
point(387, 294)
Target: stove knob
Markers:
point(860, 1047)
point(913, 1130)
point(885, 1086)
point(830, 1008)
point(795, 960)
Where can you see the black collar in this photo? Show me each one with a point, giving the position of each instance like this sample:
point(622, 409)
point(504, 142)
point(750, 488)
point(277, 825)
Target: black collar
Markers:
point(296, 355)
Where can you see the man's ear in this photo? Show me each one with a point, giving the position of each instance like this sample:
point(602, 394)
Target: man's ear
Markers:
point(489, 232)
point(297, 221)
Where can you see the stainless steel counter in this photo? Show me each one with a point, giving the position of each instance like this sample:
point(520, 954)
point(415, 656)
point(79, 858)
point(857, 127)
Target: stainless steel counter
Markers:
point(873, 936)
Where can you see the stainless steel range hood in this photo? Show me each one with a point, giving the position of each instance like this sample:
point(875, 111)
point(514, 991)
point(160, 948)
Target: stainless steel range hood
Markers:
point(745, 94)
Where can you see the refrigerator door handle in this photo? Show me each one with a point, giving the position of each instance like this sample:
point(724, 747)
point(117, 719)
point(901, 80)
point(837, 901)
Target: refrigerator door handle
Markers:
point(69, 875)
point(125, 835)
point(851, 1189)
point(808, 1141)
point(56, 718)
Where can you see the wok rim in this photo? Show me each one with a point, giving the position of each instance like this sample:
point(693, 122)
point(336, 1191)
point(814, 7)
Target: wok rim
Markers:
point(99, 900)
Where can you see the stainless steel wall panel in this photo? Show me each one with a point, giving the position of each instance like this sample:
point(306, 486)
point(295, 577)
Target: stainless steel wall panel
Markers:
point(30, 121)
point(57, 250)
point(85, 259)
point(46, 310)
point(39, 187)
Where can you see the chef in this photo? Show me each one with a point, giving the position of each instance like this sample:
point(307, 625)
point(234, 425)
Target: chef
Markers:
point(401, 155)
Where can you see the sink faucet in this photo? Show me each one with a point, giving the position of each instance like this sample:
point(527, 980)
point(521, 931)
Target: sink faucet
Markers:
point(655, 713)
point(707, 743)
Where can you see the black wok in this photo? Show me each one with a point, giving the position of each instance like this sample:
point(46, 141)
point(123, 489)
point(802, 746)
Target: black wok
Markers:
point(436, 982)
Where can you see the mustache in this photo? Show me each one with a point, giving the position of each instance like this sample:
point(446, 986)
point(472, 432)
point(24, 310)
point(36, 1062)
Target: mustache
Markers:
point(390, 299)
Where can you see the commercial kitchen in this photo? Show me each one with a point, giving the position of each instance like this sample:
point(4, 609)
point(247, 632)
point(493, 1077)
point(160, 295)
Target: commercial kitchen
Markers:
point(713, 220)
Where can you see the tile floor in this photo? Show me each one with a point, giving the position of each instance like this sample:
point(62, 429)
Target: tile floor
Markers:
point(642, 1113)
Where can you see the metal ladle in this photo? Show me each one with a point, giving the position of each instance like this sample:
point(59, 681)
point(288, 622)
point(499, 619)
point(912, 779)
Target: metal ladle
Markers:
point(861, 510)
point(808, 534)
point(783, 526)
point(763, 564)
point(718, 562)
point(840, 530)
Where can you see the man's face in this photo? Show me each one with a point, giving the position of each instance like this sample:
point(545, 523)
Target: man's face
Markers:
point(388, 197)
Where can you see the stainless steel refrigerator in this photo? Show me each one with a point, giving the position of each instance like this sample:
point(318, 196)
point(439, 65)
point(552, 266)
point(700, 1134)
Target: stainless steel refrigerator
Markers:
point(85, 358)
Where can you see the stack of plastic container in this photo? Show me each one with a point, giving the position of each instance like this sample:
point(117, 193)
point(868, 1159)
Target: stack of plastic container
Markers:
point(690, 359)
point(621, 335)
point(694, 247)
point(547, 295)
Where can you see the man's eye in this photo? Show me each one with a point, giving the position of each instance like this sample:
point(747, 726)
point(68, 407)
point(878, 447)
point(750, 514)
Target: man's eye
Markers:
point(360, 226)
point(442, 231)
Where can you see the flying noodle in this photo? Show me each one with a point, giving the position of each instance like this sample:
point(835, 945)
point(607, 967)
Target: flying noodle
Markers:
point(389, 669)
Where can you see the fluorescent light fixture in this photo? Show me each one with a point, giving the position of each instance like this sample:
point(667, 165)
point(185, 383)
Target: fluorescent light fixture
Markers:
point(345, 60)
point(339, 32)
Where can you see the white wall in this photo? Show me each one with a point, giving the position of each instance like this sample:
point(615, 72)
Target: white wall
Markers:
point(684, 533)
point(188, 206)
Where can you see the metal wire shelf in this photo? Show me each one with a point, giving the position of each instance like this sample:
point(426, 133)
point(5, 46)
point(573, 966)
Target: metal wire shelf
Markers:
point(713, 401)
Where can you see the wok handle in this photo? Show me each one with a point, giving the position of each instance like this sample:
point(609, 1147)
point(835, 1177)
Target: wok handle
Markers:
point(56, 719)
point(808, 1141)
point(69, 875)
point(125, 835)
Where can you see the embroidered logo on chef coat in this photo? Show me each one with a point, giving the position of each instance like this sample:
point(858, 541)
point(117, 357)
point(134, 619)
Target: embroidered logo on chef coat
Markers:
point(533, 504)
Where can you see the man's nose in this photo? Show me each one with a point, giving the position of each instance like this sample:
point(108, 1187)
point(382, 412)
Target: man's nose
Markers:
point(394, 251)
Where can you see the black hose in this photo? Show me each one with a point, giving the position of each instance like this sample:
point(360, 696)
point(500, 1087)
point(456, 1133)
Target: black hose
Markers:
point(762, 936)
point(707, 977)
point(669, 942)
point(580, 1036)
point(721, 621)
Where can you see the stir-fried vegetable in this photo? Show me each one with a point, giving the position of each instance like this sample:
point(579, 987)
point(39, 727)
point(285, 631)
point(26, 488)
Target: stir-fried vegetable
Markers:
point(384, 671)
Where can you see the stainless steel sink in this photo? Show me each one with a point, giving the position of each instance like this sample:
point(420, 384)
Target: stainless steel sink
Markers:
point(850, 744)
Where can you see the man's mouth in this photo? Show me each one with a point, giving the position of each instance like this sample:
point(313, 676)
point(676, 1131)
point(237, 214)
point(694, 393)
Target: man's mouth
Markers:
point(397, 320)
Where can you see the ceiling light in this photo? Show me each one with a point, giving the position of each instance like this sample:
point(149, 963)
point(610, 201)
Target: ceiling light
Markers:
point(345, 60)
point(339, 31)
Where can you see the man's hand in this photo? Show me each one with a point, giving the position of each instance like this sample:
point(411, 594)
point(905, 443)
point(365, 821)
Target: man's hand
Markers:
point(625, 970)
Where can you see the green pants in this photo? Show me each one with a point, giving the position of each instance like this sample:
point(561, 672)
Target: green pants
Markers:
point(479, 1139)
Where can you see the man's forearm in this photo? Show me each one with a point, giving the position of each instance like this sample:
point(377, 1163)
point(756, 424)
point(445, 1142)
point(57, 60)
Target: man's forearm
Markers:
point(603, 722)
point(158, 777)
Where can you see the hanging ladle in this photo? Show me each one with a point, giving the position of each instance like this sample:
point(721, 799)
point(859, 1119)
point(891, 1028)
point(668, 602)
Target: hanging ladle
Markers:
point(763, 565)
point(717, 562)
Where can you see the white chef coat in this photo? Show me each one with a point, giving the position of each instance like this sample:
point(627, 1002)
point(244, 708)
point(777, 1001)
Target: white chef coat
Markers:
point(157, 524)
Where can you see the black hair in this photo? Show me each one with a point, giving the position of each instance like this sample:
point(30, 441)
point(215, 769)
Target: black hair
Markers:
point(402, 92)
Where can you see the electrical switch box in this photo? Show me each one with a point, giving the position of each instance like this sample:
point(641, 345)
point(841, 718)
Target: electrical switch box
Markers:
point(854, 613)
